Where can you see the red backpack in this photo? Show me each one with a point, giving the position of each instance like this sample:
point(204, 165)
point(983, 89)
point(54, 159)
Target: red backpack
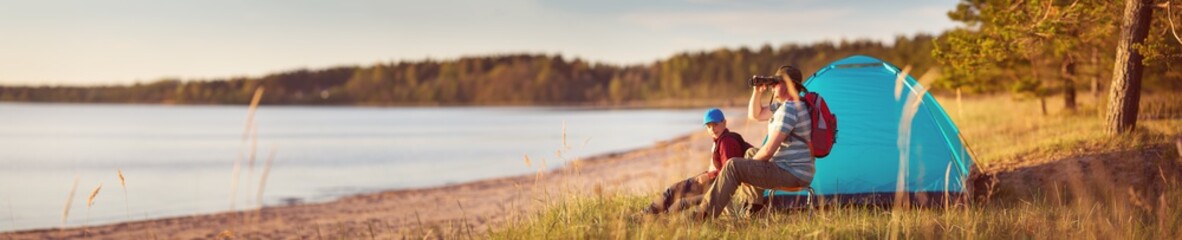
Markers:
point(824, 133)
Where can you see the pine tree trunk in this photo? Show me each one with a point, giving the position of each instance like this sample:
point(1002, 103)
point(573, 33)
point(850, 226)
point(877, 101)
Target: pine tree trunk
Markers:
point(1125, 92)
point(1042, 101)
point(1067, 73)
point(1096, 75)
point(1039, 91)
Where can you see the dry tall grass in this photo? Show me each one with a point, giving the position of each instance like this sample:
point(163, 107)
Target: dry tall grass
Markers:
point(250, 125)
point(123, 184)
point(90, 202)
point(69, 201)
point(263, 179)
point(93, 194)
point(911, 104)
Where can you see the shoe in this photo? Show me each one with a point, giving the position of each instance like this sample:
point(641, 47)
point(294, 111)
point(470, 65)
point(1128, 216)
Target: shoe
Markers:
point(754, 209)
point(698, 216)
point(651, 210)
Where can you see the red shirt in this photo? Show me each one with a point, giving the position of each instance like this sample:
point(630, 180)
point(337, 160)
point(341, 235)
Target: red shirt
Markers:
point(728, 145)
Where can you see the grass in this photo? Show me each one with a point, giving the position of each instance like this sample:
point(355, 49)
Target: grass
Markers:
point(69, 201)
point(1002, 131)
point(614, 218)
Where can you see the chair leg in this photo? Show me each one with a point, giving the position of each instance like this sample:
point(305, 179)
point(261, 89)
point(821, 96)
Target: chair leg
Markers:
point(809, 200)
point(771, 200)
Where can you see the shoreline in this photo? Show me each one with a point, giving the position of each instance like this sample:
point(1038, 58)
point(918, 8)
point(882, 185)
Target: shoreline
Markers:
point(480, 204)
point(640, 104)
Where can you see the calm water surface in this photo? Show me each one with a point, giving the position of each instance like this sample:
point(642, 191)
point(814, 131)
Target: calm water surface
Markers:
point(179, 160)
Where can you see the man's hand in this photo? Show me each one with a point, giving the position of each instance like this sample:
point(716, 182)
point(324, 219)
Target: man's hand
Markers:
point(704, 179)
point(755, 111)
point(760, 88)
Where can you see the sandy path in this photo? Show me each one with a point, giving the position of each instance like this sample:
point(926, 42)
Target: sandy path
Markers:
point(399, 213)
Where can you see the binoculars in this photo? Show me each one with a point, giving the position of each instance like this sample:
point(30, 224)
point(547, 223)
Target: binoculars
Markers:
point(757, 80)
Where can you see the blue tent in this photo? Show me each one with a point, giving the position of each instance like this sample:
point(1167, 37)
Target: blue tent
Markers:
point(864, 164)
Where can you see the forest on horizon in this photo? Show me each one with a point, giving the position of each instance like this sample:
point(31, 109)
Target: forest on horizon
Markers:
point(507, 79)
point(1027, 50)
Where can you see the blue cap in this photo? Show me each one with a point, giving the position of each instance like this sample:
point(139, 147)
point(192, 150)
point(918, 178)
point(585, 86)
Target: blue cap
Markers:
point(713, 115)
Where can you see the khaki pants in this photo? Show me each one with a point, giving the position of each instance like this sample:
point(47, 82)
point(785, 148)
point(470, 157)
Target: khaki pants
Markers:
point(753, 176)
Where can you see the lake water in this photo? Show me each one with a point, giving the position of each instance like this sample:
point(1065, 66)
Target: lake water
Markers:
point(179, 160)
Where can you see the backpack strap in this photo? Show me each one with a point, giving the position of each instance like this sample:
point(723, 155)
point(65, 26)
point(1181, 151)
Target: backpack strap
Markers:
point(739, 138)
point(798, 138)
point(809, 115)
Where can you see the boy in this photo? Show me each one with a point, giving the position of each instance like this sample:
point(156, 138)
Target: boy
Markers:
point(688, 192)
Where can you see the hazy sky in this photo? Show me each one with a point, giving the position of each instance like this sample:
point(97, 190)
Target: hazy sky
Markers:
point(118, 42)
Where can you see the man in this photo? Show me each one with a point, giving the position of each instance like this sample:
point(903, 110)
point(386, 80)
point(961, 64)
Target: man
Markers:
point(784, 159)
point(688, 192)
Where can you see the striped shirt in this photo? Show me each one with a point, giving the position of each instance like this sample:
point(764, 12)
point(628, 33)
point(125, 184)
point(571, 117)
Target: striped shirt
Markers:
point(793, 155)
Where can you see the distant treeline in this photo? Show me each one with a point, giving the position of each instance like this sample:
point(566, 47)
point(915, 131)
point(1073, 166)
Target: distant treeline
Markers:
point(515, 79)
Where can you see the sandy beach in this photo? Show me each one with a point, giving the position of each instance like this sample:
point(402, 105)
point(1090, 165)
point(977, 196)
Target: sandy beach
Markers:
point(474, 206)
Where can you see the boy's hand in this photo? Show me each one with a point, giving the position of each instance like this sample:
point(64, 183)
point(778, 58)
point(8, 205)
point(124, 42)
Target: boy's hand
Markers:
point(704, 179)
point(760, 88)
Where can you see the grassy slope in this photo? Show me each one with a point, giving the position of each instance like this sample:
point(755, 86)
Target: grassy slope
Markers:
point(1022, 137)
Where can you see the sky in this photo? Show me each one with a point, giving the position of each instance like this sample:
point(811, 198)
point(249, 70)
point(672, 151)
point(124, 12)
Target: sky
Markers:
point(52, 42)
